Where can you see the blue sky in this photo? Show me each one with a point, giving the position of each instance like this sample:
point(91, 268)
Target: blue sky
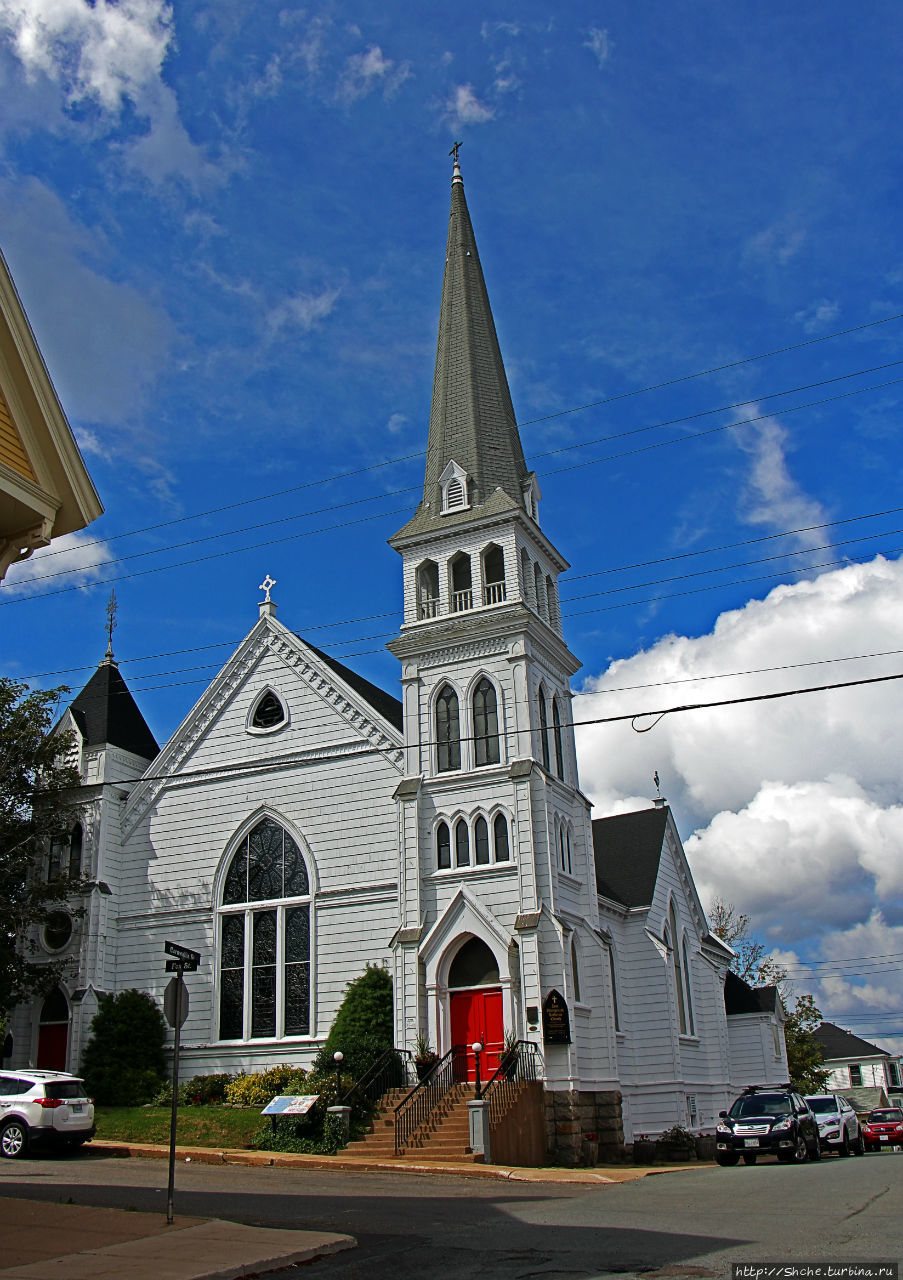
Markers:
point(227, 225)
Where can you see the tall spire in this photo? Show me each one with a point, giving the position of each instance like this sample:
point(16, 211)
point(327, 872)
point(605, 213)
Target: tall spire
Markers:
point(472, 419)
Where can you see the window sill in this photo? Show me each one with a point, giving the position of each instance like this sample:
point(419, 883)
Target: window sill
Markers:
point(688, 1039)
point(479, 869)
point(569, 879)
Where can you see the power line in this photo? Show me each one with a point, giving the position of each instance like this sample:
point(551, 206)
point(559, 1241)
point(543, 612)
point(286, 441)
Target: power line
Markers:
point(730, 426)
point(411, 457)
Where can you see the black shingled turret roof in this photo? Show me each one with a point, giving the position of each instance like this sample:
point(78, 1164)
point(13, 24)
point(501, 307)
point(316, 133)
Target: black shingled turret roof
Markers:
point(628, 848)
point(388, 707)
point(108, 715)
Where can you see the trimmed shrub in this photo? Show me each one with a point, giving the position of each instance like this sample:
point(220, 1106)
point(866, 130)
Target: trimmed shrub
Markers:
point(123, 1064)
point(363, 1026)
point(258, 1089)
point(199, 1091)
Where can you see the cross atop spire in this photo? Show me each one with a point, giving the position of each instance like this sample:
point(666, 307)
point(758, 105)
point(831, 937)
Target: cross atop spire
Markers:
point(112, 610)
point(456, 146)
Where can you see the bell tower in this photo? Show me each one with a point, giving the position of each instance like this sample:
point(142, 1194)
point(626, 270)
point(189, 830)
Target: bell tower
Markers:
point(495, 838)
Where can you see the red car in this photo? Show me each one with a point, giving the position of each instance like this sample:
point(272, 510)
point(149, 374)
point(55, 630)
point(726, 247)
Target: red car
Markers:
point(883, 1128)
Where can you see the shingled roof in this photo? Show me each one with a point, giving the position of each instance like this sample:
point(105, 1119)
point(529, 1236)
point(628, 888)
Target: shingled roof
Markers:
point(627, 848)
point(837, 1043)
point(388, 707)
point(471, 417)
point(108, 715)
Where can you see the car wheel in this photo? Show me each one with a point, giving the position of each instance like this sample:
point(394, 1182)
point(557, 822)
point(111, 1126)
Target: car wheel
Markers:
point(749, 1159)
point(797, 1155)
point(815, 1150)
point(845, 1145)
point(725, 1159)
point(14, 1139)
point(859, 1145)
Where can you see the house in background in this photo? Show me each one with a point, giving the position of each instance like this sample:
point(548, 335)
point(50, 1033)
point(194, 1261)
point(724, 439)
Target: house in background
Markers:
point(45, 489)
point(862, 1072)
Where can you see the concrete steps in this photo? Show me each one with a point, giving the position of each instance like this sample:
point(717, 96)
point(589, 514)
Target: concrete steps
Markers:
point(444, 1136)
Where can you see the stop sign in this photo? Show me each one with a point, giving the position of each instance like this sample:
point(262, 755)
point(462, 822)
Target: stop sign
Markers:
point(171, 1001)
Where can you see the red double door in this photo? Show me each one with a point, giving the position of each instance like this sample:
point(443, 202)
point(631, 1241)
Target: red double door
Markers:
point(476, 1016)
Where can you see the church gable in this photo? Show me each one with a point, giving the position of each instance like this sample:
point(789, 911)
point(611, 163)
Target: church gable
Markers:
point(275, 697)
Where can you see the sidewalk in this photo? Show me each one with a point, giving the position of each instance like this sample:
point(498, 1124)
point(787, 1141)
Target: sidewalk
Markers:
point(223, 1155)
point(44, 1241)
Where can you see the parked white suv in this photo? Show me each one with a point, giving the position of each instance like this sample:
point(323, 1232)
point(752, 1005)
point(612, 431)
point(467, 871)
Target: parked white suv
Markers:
point(838, 1125)
point(43, 1109)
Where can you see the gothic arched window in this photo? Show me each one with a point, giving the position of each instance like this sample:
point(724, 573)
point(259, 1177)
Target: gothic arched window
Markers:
point(265, 928)
point(443, 847)
point(678, 975)
point(500, 835)
point(543, 730)
point(481, 841)
point(448, 730)
point(556, 734)
point(485, 723)
point(462, 844)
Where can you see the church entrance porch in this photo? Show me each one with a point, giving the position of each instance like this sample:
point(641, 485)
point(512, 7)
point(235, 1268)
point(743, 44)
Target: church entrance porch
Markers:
point(53, 1032)
point(476, 1016)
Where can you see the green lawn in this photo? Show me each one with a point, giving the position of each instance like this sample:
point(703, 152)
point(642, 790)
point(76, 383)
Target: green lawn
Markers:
point(197, 1126)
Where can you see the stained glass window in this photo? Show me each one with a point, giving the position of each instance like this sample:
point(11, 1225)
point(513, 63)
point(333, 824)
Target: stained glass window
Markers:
point(485, 723)
point(448, 731)
point(265, 966)
point(268, 713)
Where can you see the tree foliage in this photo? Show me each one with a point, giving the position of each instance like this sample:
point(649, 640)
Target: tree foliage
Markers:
point(37, 805)
point(363, 1025)
point(123, 1063)
point(754, 964)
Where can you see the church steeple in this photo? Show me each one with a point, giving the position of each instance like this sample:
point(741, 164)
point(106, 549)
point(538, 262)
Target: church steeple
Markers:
point(472, 423)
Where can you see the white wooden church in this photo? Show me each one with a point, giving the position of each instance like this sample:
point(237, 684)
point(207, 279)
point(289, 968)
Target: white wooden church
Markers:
point(301, 823)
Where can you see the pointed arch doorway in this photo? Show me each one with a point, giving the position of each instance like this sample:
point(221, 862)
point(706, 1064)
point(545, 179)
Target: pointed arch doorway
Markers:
point(53, 1032)
point(476, 1007)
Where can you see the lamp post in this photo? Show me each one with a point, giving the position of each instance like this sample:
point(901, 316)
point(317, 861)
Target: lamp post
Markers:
point(338, 1058)
point(477, 1050)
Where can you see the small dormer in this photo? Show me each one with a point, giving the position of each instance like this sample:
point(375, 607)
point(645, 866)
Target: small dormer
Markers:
point(532, 496)
point(455, 484)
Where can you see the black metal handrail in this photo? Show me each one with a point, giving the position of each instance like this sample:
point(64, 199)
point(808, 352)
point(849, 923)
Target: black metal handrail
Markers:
point(413, 1110)
point(393, 1069)
point(521, 1064)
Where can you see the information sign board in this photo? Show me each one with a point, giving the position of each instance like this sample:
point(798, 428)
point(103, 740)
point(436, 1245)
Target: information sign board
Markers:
point(290, 1105)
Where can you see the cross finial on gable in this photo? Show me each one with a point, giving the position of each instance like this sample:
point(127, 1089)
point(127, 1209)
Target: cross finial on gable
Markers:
point(267, 586)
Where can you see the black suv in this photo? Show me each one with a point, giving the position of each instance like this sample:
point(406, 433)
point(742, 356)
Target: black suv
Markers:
point(767, 1122)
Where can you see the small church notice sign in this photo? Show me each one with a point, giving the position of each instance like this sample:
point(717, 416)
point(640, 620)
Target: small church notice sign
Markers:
point(290, 1105)
point(556, 1023)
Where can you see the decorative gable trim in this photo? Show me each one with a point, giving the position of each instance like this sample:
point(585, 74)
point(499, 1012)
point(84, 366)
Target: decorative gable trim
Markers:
point(465, 914)
point(267, 635)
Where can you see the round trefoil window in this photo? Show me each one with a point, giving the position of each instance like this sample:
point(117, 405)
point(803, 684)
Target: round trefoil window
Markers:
point(57, 931)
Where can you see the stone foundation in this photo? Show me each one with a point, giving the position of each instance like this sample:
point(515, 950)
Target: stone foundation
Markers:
point(583, 1128)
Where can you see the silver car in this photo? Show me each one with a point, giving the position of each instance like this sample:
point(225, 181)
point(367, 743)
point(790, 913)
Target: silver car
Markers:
point(838, 1125)
point(43, 1109)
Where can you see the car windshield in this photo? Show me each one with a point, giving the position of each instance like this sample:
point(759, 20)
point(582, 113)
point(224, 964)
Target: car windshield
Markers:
point(760, 1104)
point(822, 1106)
point(64, 1089)
point(892, 1115)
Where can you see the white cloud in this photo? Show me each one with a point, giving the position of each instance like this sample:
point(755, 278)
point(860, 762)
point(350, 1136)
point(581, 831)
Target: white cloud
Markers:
point(104, 52)
point(800, 791)
point(396, 424)
point(104, 342)
point(818, 316)
point(366, 71)
point(464, 107)
point(78, 556)
point(772, 496)
point(108, 56)
point(599, 44)
point(302, 311)
point(778, 243)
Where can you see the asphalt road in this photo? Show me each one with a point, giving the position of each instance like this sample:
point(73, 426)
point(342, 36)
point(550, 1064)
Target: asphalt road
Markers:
point(408, 1227)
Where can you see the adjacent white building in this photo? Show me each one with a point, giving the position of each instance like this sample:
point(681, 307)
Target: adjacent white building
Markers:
point(301, 823)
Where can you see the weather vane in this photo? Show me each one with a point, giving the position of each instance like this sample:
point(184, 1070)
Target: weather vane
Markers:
point(112, 610)
point(267, 586)
point(454, 150)
point(658, 787)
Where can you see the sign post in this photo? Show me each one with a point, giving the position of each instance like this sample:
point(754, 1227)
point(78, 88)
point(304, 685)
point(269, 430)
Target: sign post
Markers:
point(175, 1008)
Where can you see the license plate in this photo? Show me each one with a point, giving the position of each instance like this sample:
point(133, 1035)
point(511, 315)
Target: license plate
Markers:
point(750, 1142)
point(77, 1106)
point(883, 1137)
